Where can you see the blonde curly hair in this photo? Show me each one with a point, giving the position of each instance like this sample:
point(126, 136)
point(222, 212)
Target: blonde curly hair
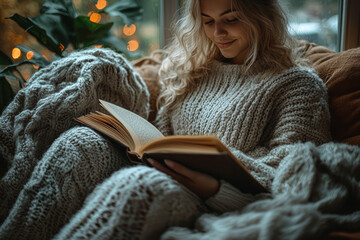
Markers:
point(191, 51)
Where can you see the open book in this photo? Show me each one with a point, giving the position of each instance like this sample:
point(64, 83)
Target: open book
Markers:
point(143, 140)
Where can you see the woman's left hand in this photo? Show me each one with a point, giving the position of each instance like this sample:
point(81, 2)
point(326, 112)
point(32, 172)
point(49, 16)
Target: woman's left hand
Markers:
point(200, 183)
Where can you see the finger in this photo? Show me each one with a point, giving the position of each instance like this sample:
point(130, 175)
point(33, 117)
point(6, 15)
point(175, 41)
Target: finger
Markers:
point(158, 165)
point(169, 172)
point(179, 168)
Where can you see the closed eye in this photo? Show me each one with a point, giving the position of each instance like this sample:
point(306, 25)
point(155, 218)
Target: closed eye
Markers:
point(232, 20)
point(208, 22)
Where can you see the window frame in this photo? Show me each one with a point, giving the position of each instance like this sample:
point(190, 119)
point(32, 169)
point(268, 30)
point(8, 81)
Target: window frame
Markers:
point(349, 22)
point(168, 10)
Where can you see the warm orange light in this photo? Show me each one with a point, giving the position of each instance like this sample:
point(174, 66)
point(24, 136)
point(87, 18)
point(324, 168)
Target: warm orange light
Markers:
point(133, 45)
point(36, 67)
point(16, 53)
point(89, 14)
point(45, 56)
point(61, 47)
point(29, 55)
point(101, 4)
point(95, 17)
point(98, 46)
point(128, 31)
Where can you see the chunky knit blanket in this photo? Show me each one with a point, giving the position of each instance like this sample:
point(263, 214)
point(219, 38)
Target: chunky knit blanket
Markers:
point(63, 181)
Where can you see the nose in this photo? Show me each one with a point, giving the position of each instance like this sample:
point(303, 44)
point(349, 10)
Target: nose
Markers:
point(219, 31)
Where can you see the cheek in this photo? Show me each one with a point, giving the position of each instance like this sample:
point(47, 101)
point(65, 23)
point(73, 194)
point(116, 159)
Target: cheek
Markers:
point(241, 31)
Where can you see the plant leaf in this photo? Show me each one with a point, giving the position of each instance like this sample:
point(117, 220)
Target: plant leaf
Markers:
point(4, 59)
point(7, 73)
point(62, 14)
point(37, 58)
point(6, 93)
point(87, 31)
point(54, 28)
point(38, 32)
point(117, 44)
point(129, 11)
point(114, 43)
point(59, 7)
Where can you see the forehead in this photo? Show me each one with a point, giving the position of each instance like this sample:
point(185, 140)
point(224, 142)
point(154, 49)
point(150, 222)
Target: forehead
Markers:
point(214, 7)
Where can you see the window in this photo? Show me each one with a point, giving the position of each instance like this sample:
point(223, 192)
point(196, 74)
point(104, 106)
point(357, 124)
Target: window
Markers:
point(148, 29)
point(315, 21)
point(318, 21)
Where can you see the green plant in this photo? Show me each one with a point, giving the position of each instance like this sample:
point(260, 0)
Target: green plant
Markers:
point(56, 28)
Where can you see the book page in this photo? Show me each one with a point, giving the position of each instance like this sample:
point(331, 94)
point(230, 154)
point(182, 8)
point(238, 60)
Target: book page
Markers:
point(141, 130)
point(102, 126)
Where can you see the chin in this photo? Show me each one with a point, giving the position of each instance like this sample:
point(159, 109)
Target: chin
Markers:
point(228, 55)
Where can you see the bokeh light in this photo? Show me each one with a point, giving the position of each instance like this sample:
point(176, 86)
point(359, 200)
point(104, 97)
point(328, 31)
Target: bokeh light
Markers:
point(101, 4)
point(95, 17)
point(133, 45)
point(29, 55)
point(16, 53)
point(128, 31)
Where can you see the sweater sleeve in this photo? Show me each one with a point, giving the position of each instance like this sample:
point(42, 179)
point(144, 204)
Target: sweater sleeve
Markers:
point(229, 198)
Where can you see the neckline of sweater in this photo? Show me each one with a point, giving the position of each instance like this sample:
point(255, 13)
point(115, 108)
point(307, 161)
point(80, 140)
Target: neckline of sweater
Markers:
point(240, 69)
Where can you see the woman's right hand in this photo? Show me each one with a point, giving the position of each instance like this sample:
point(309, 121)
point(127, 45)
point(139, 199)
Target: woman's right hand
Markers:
point(200, 183)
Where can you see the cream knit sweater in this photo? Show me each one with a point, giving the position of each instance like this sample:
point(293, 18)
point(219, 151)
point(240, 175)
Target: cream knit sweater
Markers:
point(256, 118)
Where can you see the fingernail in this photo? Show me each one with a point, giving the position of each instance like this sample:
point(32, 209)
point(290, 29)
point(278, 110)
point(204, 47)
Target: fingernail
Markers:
point(151, 161)
point(169, 163)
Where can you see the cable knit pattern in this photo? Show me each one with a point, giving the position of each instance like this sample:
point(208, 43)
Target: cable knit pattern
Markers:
point(76, 162)
point(315, 191)
point(58, 179)
point(123, 207)
point(256, 118)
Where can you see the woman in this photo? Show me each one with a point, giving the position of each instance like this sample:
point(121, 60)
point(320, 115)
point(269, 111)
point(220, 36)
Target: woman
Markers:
point(231, 71)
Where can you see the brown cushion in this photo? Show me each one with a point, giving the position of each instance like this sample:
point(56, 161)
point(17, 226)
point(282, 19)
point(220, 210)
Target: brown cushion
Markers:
point(343, 236)
point(148, 68)
point(340, 72)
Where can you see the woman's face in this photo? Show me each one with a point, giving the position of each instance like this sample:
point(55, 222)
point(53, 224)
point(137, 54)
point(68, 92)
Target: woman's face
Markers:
point(224, 29)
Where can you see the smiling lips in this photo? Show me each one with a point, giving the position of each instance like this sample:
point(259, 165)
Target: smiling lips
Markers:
point(224, 44)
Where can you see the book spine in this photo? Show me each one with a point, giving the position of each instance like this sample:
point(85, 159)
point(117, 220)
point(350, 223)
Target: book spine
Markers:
point(134, 159)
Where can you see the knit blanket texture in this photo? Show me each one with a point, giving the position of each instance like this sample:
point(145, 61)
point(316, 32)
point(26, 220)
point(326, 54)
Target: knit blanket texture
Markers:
point(316, 189)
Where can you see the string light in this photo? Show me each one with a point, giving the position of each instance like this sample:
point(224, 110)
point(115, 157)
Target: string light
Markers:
point(133, 45)
point(128, 31)
point(16, 53)
point(61, 47)
point(101, 4)
point(95, 17)
point(29, 55)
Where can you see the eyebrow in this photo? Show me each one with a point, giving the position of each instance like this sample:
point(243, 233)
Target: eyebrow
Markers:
point(221, 14)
